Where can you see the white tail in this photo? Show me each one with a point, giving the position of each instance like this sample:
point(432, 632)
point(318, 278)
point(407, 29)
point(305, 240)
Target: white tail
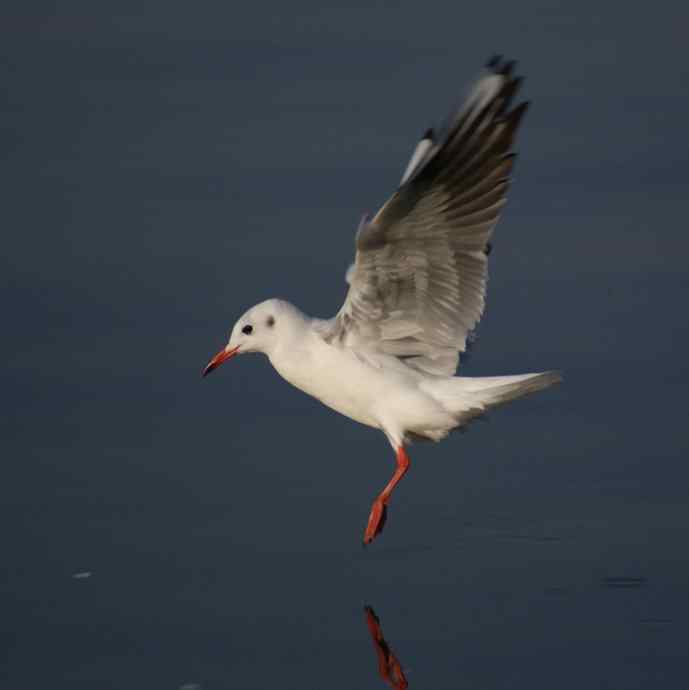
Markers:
point(465, 398)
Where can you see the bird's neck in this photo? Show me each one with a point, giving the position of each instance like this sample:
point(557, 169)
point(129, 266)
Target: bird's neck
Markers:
point(295, 329)
point(295, 356)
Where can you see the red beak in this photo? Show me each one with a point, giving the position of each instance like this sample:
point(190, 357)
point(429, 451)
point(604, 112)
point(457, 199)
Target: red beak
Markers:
point(221, 357)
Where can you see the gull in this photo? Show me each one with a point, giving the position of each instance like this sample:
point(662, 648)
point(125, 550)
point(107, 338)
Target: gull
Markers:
point(417, 290)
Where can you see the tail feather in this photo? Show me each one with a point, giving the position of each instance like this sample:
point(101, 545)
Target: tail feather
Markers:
point(465, 398)
point(496, 390)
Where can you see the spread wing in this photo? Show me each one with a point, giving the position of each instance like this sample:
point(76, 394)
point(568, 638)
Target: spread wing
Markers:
point(418, 284)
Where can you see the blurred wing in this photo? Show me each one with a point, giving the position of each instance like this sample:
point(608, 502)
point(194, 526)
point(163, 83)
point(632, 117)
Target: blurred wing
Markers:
point(418, 284)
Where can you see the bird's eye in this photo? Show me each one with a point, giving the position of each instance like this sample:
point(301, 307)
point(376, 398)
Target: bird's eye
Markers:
point(247, 330)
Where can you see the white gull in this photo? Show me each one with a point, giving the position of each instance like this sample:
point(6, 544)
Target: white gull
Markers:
point(416, 291)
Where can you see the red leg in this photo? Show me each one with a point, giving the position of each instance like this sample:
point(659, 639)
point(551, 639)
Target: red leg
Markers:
point(389, 667)
point(376, 520)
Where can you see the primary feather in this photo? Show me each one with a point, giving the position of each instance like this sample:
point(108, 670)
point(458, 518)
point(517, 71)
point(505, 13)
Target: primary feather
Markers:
point(418, 285)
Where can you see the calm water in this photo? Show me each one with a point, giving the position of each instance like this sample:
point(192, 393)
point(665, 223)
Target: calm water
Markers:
point(167, 167)
point(592, 595)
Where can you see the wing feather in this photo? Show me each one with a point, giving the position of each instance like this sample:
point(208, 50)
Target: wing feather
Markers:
point(418, 284)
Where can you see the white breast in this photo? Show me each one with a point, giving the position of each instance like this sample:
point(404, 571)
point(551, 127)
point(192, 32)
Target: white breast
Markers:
point(337, 377)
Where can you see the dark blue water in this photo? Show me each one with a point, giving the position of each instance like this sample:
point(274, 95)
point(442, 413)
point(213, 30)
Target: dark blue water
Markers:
point(167, 167)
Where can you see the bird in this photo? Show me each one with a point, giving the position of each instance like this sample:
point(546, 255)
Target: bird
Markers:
point(416, 291)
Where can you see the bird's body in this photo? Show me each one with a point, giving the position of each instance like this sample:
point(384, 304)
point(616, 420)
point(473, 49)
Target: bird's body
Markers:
point(371, 388)
point(416, 290)
point(376, 389)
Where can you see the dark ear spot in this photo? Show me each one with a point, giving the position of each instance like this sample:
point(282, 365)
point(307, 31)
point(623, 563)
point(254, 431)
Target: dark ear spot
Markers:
point(270, 322)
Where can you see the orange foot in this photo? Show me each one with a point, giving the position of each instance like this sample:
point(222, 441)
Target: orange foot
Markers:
point(376, 520)
point(379, 510)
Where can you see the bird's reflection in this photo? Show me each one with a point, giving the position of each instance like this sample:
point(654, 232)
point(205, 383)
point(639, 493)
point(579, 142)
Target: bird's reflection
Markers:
point(389, 665)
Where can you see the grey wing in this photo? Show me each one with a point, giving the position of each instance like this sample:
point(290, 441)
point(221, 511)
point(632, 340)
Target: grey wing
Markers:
point(418, 284)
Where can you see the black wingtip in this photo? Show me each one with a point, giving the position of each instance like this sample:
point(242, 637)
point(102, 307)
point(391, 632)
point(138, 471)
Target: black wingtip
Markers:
point(508, 68)
point(494, 61)
point(507, 94)
point(428, 134)
point(515, 117)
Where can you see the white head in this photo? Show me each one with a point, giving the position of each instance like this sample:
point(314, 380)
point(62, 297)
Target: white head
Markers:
point(258, 330)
